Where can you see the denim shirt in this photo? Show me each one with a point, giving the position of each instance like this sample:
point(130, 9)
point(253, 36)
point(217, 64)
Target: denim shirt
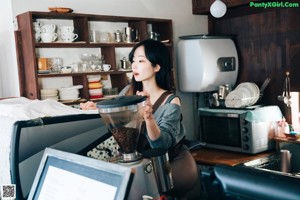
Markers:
point(168, 119)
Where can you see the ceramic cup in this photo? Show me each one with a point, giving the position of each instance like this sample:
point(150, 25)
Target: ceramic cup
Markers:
point(37, 23)
point(37, 27)
point(48, 37)
point(106, 67)
point(37, 30)
point(48, 28)
point(69, 37)
point(67, 29)
point(37, 36)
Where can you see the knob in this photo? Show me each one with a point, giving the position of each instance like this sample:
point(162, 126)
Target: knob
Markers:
point(245, 138)
point(245, 147)
point(244, 130)
point(244, 122)
point(227, 65)
point(148, 168)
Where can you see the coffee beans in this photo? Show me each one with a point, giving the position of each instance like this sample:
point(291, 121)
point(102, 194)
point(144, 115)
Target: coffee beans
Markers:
point(126, 138)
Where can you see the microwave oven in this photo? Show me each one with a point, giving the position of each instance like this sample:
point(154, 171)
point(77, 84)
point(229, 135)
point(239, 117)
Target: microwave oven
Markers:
point(237, 130)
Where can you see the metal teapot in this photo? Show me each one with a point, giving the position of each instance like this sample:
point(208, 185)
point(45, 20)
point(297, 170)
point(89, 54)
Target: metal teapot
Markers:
point(124, 64)
point(118, 36)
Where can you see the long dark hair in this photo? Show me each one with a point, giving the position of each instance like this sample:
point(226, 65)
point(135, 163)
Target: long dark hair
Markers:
point(157, 53)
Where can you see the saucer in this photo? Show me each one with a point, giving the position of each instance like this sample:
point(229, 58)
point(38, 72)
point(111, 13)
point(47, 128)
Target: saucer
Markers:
point(69, 100)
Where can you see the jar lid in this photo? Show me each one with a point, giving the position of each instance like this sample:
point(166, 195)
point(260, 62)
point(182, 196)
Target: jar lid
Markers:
point(120, 101)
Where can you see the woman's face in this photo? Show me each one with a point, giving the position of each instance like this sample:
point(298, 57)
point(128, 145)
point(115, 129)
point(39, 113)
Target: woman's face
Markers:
point(141, 67)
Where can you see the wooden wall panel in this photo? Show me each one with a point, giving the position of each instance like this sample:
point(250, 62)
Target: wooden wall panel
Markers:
point(268, 45)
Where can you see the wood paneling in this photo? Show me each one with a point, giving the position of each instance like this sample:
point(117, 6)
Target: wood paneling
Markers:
point(203, 6)
point(269, 45)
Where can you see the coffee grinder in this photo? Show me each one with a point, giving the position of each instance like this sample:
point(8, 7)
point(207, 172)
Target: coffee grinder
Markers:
point(123, 118)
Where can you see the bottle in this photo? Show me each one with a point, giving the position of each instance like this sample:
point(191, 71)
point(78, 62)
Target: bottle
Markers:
point(282, 128)
point(227, 89)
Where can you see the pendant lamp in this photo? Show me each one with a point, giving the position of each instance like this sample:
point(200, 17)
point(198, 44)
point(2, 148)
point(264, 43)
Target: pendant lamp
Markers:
point(218, 9)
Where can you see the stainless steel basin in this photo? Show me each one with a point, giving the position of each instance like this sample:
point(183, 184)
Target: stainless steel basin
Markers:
point(269, 163)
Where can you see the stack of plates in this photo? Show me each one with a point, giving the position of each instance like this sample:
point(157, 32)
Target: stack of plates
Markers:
point(95, 87)
point(245, 94)
point(69, 93)
point(49, 94)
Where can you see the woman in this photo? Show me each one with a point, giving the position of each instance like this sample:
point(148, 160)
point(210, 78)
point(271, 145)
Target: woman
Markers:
point(152, 77)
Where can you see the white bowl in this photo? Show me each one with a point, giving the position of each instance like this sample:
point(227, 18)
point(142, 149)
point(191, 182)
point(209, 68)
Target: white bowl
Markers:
point(94, 79)
point(71, 87)
point(49, 97)
point(68, 97)
point(95, 92)
point(73, 90)
point(49, 91)
point(66, 70)
point(69, 92)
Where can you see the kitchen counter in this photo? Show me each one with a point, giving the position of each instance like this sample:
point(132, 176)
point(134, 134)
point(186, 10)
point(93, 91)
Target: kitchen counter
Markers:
point(206, 156)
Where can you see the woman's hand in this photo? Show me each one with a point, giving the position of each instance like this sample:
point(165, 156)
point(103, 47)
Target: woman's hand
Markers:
point(147, 107)
point(151, 125)
point(88, 106)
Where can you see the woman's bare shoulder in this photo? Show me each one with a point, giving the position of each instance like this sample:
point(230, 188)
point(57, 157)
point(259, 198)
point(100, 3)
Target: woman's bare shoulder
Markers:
point(176, 100)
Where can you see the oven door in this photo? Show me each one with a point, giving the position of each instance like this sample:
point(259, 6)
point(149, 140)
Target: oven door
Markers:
point(221, 130)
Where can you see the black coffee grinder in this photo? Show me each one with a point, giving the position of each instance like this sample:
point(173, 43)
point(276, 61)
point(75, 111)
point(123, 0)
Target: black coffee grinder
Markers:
point(123, 118)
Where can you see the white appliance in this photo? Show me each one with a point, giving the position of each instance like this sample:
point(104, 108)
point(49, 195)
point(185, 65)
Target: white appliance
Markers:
point(205, 62)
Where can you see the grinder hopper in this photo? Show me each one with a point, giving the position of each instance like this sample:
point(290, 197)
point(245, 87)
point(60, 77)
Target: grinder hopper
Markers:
point(122, 116)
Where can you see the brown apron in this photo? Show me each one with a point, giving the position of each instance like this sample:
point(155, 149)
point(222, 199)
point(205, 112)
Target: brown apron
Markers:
point(143, 143)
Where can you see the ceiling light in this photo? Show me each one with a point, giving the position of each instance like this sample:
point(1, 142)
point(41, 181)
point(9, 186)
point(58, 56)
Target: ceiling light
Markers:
point(218, 9)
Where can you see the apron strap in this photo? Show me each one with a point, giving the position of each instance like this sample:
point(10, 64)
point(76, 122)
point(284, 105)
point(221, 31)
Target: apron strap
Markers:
point(160, 100)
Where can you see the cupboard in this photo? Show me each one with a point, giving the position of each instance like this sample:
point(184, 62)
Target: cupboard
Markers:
point(28, 48)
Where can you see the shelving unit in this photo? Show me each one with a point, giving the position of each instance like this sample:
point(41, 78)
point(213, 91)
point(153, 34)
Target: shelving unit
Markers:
point(27, 47)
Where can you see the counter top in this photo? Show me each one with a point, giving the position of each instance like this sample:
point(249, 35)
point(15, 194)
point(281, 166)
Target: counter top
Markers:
point(284, 139)
point(207, 156)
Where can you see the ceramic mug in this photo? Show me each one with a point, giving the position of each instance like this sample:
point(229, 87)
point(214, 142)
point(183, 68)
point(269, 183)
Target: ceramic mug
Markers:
point(69, 37)
point(37, 30)
point(106, 67)
point(37, 36)
point(37, 24)
point(48, 37)
point(48, 28)
point(67, 29)
point(37, 27)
